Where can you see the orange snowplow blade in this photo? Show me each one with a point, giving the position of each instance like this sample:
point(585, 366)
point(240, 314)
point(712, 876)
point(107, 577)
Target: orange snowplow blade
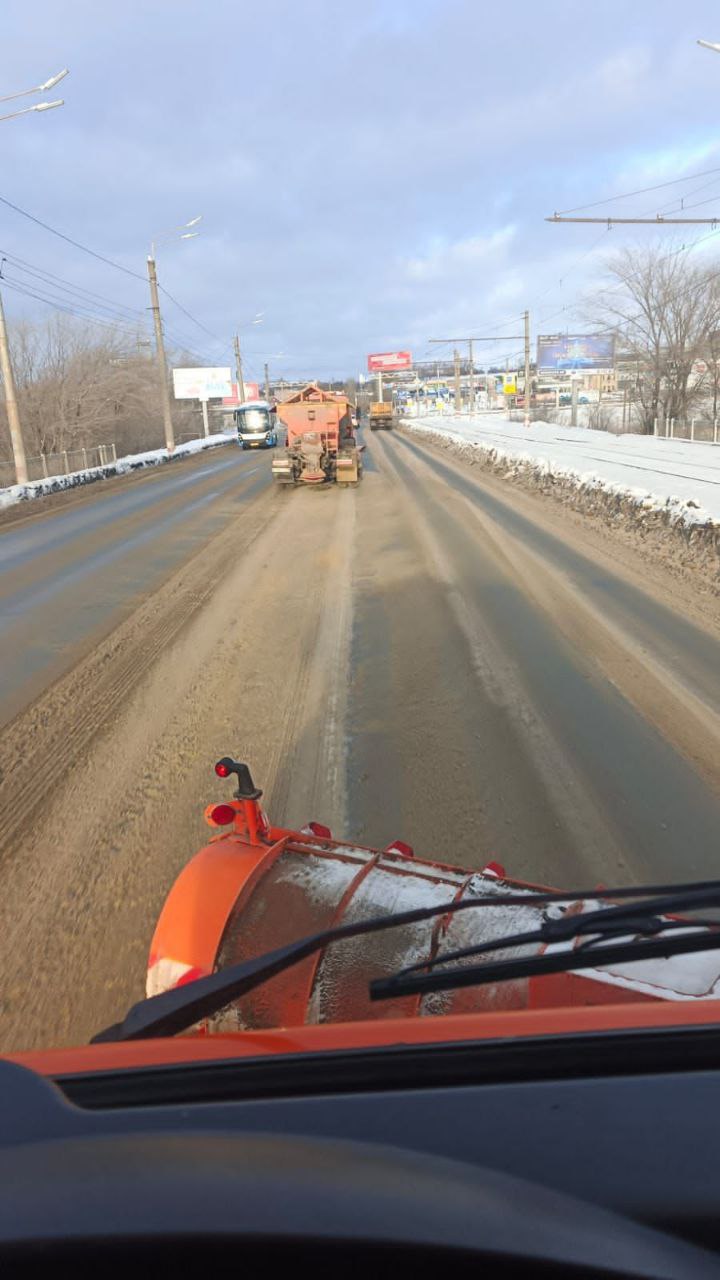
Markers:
point(258, 888)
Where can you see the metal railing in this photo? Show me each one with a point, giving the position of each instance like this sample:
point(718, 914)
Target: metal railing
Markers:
point(596, 417)
point(47, 465)
point(702, 430)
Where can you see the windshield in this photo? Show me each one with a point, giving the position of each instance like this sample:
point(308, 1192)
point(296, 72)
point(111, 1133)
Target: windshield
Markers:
point(253, 420)
point(370, 442)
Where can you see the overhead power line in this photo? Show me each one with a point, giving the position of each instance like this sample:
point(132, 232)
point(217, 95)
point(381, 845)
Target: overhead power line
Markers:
point(180, 307)
point(626, 195)
point(69, 240)
point(77, 244)
point(77, 294)
point(58, 305)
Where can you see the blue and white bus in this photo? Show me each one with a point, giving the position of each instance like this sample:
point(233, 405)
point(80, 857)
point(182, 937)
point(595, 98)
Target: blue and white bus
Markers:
point(256, 424)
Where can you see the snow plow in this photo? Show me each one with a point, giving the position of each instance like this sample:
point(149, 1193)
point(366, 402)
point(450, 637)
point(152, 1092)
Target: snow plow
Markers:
point(321, 448)
point(263, 888)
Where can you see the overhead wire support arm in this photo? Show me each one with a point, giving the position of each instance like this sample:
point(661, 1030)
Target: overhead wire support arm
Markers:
point(658, 220)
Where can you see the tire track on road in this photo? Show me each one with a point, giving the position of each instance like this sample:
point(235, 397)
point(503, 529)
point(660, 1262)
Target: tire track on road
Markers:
point(36, 750)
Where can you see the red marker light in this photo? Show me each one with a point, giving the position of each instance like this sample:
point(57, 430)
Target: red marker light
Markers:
point(401, 848)
point(222, 814)
point(318, 829)
point(495, 869)
point(222, 769)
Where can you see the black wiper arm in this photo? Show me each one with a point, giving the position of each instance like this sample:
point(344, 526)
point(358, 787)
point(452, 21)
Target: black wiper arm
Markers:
point(631, 917)
point(182, 1007)
point(553, 962)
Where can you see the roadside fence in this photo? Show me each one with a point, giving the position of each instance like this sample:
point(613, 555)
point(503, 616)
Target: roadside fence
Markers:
point(46, 465)
point(704, 430)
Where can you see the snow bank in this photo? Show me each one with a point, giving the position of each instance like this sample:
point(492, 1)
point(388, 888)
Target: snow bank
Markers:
point(673, 477)
point(132, 462)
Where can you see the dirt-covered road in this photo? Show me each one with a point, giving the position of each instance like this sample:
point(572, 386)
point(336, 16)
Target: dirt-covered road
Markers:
point(434, 655)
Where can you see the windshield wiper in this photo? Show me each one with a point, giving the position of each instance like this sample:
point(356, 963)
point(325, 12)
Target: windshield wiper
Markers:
point(182, 1007)
point(598, 926)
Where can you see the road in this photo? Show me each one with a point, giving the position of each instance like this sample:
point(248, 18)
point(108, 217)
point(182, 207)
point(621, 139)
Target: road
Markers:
point(67, 578)
point(435, 656)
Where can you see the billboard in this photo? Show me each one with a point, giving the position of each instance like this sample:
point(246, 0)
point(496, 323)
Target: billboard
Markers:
point(252, 392)
point(560, 351)
point(386, 361)
point(201, 384)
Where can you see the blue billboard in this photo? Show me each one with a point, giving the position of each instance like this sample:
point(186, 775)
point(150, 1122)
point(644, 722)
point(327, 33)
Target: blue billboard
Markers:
point(563, 351)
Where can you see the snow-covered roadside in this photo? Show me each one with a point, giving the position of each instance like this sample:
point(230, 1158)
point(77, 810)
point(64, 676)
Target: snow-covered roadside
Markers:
point(132, 462)
point(674, 478)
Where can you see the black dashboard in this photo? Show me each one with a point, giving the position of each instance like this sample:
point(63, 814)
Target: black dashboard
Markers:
point(585, 1155)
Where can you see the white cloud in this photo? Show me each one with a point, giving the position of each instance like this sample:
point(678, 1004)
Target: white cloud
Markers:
point(446, 258)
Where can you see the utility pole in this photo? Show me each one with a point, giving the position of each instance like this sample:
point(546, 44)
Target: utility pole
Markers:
point(379, 385)
point(527, 368)
point(160, 353)
point(267, 383)
point(458, 397)
point(495, 338)
point(13, 417)
point(238, 369)
point(574, 402)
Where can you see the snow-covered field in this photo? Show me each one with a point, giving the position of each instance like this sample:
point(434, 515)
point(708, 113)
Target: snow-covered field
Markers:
point(675, 476)
point(132, 462)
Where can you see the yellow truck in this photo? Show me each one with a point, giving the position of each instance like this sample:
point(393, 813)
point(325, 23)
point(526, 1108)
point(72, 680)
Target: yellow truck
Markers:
point(381, 415)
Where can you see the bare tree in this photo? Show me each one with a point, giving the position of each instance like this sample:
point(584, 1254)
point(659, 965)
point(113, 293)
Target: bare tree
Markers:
point(79, 385)
point(663, 311)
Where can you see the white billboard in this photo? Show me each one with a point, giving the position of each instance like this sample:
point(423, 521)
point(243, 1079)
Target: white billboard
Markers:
point(202, 384)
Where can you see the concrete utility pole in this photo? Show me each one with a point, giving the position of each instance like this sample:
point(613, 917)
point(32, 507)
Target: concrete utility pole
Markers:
point(526, 416)
point(238, 369)
point(18, 448)
point(458, 396)
point(160, 354)
point(206, 422)
point(379, 386)
point(267, 383)
point(574, 404)
point(495, 338)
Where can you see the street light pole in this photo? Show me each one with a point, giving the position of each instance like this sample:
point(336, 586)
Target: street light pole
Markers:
point(160, 355)
point(18, 448)
point(38, 88)
point(38, 106)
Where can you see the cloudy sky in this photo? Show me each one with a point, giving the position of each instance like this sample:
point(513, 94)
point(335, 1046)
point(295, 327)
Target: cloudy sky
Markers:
point(370, 175)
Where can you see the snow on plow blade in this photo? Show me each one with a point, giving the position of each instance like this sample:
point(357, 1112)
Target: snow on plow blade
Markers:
point(302, 885)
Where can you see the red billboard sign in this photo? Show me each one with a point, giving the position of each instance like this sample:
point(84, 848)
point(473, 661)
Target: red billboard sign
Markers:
point(385, 361)
point(252, 392)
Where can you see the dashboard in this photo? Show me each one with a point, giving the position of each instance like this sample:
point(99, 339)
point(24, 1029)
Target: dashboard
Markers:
point(580, 1155)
